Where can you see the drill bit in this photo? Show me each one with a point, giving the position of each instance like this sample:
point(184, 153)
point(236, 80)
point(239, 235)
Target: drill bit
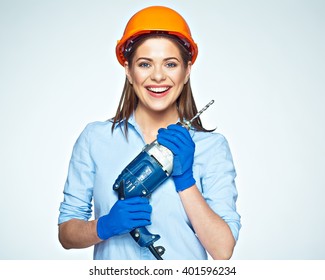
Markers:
point(201, 111)
point(188, 124)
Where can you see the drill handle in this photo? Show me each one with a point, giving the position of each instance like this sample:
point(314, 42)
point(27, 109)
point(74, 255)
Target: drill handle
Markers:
point(120, 190)
point(146, 239)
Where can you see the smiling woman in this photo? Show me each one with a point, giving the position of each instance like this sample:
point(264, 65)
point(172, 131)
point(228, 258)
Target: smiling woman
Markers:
point(157, 74)
point(198, 200)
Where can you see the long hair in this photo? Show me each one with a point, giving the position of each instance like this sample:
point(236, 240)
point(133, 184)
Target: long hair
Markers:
point(128, 102)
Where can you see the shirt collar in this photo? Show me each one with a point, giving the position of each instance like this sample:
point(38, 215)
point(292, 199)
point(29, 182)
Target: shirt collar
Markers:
point(133, 122)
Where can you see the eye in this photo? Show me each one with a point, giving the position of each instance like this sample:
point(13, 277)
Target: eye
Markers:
point(171, 64)
point(144, 64)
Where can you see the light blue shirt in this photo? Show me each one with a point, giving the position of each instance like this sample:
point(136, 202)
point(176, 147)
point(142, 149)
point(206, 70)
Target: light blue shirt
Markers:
point(99, 157)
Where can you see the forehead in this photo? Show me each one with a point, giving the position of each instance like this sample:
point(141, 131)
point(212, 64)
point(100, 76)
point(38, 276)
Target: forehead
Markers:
point(158, 46)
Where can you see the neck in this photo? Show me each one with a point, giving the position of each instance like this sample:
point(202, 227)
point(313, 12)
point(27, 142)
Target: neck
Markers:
point(150, 121)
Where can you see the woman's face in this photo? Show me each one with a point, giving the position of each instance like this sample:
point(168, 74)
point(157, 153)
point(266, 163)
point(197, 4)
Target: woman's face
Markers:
point(157, 74)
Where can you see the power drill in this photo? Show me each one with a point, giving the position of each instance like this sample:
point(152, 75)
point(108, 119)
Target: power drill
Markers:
point(143, 175)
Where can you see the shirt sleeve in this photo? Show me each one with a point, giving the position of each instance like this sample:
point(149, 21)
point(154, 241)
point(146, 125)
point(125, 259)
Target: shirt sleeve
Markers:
point(78, 188)
point(219, 188)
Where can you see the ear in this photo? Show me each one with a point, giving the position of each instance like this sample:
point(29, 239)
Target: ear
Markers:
point(188, 72)
point(127, 72)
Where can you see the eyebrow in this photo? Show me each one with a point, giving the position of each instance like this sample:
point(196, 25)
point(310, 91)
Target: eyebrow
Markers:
point(165, 59)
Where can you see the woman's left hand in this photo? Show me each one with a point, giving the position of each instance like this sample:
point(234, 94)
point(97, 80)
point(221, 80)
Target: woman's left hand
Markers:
point(177, 139)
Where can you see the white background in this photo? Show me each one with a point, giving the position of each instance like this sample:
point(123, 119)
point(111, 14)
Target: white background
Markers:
point(261, 61)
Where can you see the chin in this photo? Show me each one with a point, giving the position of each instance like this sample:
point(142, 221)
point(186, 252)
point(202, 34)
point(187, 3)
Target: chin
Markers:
point(161, 107)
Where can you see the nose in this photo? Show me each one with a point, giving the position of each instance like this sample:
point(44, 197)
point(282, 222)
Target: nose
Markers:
point(158, 74)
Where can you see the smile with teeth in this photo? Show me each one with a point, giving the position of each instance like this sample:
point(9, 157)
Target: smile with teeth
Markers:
point(158, 89)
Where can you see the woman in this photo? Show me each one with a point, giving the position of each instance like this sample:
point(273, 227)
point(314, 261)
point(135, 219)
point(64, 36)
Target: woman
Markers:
point(193, 211)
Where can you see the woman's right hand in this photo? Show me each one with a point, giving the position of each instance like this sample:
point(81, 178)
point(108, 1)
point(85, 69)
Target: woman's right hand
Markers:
point(124, 216)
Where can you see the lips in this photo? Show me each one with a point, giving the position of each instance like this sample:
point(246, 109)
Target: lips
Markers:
point(158, 91)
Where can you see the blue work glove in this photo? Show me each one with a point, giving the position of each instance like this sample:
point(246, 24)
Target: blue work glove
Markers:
point(177, 139)
point(124, 216)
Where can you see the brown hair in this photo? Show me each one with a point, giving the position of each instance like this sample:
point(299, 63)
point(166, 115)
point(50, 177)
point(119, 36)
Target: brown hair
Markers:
point(129, 100)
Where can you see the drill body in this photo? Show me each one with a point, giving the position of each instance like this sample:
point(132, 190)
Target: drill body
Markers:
point(141, 177)
point(145, 173)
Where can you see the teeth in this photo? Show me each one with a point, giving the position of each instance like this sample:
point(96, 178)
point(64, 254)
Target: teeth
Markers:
point(158, 90)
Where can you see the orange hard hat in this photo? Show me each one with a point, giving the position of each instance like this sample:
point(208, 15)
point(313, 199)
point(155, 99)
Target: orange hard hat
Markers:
point(156, 19)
